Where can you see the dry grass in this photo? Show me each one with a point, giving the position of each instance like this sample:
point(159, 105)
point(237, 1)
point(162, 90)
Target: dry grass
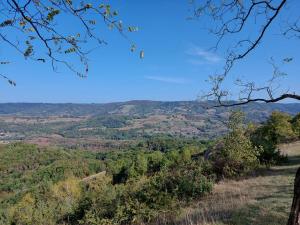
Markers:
point(261, 200)
point(99, 175)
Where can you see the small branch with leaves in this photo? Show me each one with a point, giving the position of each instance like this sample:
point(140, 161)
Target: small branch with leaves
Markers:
point(37, 30)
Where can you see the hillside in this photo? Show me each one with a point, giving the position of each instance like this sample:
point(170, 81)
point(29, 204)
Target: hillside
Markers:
point(157, 181)
point(264, 199)
point(114, 124)
point(138, 107)
point(242, 178)
point(40, 185)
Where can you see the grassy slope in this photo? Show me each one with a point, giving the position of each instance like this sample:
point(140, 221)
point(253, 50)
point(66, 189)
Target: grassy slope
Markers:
point(261, 200)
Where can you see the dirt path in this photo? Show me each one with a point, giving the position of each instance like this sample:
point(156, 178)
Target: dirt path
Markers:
point(94, 176)
point(261, 200)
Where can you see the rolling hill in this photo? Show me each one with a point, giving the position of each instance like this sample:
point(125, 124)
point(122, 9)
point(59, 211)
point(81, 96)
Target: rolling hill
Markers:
point(113, 124)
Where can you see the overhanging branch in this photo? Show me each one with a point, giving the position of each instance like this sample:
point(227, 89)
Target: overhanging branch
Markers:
point(282, 97)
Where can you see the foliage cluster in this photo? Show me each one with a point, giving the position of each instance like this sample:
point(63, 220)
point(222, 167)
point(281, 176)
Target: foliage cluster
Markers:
point(235, 155)
point(154, 177)
point(279, 128)
point(47, 186)
point(245, 148)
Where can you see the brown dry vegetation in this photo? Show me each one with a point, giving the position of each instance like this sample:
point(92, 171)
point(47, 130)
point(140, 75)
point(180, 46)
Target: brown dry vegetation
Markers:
point(39, 120)
point(264, 199)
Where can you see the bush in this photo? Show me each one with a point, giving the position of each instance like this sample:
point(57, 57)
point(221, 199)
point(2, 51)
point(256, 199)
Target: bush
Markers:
point(279, 127)
point(276, 130)
point(296, 125)
point(47, 206)
point(48, 186)
point(142, 200)
point(99, 203)
point(236, 156)
point(269, 154)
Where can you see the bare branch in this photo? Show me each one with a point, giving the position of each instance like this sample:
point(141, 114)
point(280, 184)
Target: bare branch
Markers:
point(282, 97)
point(235, 17)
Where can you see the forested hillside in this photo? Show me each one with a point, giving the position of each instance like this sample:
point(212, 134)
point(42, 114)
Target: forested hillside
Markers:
point(114, 124)
point(149, 181)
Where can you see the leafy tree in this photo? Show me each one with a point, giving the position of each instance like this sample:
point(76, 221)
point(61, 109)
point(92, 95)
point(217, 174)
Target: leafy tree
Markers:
point(280, 126)
point(141, 164)
point(277, 129)
point(264, 141)
point(237, 156)
point(155, 161)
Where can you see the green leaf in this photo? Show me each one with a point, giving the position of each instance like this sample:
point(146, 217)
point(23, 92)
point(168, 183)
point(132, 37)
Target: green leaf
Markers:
point(70, 50)
point(11, 82)
point(142, 54)
point(28, 51)
point(133, 48)
point(6, 23)
point(93, 22)
point(88, 6)
point(52, 14)
point(132, 29)
point(287, 60)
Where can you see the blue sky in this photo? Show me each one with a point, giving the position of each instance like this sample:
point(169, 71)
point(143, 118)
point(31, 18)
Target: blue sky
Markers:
point(176, 64)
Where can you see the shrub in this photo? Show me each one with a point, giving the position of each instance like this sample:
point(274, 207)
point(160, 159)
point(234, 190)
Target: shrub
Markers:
point(277, 129)
point(236, 155)
point(296, 125)
point(47, 206)
point(99, 203)
point(139, 201)
point(138, 186)
point(269, 154)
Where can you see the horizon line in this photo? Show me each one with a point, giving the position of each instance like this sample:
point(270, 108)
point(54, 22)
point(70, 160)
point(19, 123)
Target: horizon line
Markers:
point(139, 100)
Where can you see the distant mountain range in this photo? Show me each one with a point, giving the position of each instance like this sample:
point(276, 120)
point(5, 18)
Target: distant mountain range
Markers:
point(86, 123)
point(138, 107)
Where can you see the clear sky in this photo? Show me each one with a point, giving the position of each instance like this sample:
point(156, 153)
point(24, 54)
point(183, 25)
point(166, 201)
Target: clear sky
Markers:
point(176, 64)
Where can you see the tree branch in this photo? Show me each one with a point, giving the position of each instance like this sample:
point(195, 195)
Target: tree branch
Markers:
point(282, 97)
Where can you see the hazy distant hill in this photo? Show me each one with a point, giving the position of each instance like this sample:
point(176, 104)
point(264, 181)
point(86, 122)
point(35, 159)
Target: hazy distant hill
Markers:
point(132, 108)
point(121, 121)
